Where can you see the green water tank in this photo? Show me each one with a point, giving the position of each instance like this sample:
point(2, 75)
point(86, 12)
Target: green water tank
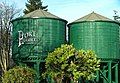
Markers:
point(96, 32)
point(37, 33)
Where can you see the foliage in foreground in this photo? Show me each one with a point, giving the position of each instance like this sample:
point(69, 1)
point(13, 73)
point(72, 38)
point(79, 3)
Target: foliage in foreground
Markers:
point(67, 62)
point(19, 75)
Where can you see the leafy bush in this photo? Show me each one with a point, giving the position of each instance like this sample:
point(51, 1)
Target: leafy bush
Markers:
point(19, 75)
point(66, 61)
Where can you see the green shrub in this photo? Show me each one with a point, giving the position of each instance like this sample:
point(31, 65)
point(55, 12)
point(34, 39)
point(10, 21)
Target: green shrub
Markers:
point(19, 75)
point(68, 62)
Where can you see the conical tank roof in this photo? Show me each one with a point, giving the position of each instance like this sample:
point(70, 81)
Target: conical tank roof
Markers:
point(40, 13)
point(93, 17)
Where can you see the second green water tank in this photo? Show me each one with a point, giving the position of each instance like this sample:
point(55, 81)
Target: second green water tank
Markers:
point(96, 32)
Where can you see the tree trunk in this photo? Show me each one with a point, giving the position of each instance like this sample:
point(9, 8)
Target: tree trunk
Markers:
point(58, 80)
point(4, 60)
point(82, 80)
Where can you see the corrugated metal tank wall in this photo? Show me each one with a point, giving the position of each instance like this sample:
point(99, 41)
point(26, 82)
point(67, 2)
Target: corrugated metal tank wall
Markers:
point(43, 36)
point(100, 36)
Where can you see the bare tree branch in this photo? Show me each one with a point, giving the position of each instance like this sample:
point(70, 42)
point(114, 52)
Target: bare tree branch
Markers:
point(7, 13)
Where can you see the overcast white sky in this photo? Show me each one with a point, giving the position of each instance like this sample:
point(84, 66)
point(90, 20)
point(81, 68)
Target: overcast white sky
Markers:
point(71, 10)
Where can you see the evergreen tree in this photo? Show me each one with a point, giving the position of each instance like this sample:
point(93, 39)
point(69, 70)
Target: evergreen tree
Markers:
point(34, 5)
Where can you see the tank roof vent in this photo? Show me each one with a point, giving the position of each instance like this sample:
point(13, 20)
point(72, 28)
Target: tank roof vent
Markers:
point(116, 16)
